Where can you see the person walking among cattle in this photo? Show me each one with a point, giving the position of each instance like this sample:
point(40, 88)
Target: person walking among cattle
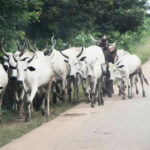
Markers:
point(104, 44)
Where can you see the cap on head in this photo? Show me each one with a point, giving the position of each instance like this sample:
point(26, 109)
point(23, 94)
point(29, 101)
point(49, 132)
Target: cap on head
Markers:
point(104, 39)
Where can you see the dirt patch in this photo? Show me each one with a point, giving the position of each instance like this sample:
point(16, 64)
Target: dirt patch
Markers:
point(73, 114)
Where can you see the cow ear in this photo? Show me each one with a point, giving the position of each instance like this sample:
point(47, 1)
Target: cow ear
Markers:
point(65, 60)
point(5, 67)
point(31, 68)
point(82, 58)
point(120, 66)
point(46, 52)
point(24, 58)
point(1, 87)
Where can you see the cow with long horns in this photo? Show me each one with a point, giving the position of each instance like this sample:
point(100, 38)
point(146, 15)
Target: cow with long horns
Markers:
point(34, 74)
point(85, 64)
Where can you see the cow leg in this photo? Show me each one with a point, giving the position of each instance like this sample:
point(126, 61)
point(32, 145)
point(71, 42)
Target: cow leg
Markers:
point(111, 87)
point(101, 93)
point(93, 94)
point(86, 89)
point(56, 90)
point(131, 87)
point(135, 82)
point(54, 93)
point(43, 101)
point(48, 96)
point(119, 87)
point(69, 90)
point(104, 85)
point(20, 102)
point(141, 80)
point(124, 89)
point(76, 90)
point(83, 82)
point(108, 85)
point(63, 89)
point(98, 93)
point(119, 90)
point(29, 103)
point(1, 100)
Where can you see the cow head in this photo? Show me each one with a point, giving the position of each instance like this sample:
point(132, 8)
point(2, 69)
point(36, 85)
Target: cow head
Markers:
point(9, 62)
point(74, 63)
point(115, 70)
point(23, 66)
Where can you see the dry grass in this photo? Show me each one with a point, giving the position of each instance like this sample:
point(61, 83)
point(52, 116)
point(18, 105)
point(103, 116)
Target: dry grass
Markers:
point(143, 50)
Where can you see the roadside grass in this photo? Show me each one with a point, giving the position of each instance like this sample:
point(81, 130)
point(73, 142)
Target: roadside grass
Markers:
point(142, 50)
point(11, 127)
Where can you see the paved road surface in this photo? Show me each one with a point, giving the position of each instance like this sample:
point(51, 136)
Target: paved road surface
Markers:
point(118, 125)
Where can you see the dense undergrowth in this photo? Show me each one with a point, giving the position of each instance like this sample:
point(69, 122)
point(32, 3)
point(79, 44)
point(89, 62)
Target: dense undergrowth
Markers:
point(12, 127)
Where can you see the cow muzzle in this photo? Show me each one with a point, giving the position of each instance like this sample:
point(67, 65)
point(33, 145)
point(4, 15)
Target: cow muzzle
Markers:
point(20, 82)
point(89, 76)
point(13, 78)
point(71, 76)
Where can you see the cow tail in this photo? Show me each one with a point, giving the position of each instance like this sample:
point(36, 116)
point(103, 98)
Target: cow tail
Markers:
point(145, 79)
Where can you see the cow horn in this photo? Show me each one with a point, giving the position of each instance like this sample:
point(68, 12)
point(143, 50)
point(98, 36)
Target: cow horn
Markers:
point(24, 45)
point(2, 49)
point(53, 42)
point(29, 46)
point(93, 39)
point(14, 58)
point(20, 49)
point(35, 46)
point(31, 59)
point(64, 54)
point(80, 52)
point(18, 45)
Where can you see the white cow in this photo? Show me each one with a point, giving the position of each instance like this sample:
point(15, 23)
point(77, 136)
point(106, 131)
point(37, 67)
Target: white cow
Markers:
point(61, 68)
point(3, 83)
point(120, 71)
point(34, 74)
point(134, 64)
point(88, 63)
point(17, 91)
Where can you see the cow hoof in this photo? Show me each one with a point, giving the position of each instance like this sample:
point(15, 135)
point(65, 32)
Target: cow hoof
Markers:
point(137, 92)
point(27, 118)
point(69, 101)
point(42, 112)
point(92, 105)
point(130, 97)
point(144, 94)
point(87, 101)
point(102, 103)
point(46, 115)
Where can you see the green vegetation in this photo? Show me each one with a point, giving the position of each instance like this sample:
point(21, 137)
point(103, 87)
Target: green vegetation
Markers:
point(11, 127)
point(70, 21)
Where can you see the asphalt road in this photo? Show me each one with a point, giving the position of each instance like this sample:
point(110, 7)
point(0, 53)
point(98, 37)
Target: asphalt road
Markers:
point(118, 125)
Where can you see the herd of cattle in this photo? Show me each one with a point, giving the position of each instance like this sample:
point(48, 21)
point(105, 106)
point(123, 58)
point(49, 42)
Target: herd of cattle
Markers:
point(34, 72)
